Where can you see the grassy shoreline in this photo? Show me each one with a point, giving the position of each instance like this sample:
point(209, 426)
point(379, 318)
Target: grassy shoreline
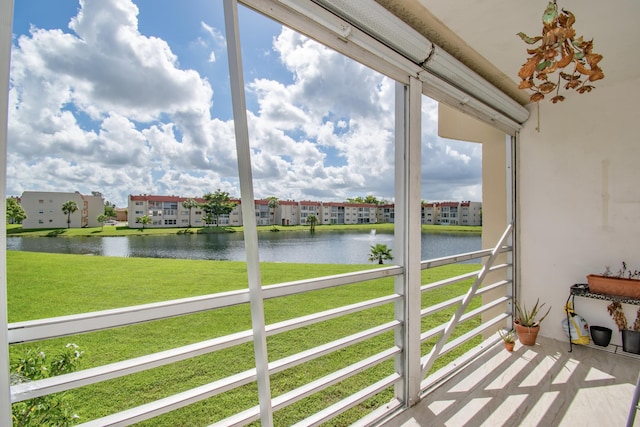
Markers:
point(16, 230)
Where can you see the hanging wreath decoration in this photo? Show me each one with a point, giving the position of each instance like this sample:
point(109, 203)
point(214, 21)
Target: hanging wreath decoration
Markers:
point(559, 48)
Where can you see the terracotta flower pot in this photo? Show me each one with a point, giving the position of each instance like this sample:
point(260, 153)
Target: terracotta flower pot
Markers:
point(614, 286)
point(527, 335)
point(509, 346)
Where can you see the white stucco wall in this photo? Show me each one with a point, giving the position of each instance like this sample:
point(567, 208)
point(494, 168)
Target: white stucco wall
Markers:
point(579, 198)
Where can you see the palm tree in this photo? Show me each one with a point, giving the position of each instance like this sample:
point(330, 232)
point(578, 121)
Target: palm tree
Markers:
point(68, 208)
point(190, 204)
point(144, 220)
point(380, 252)
point(312, 220)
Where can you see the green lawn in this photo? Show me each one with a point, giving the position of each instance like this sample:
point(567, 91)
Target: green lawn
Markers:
point(109, 230)
point(45, 285)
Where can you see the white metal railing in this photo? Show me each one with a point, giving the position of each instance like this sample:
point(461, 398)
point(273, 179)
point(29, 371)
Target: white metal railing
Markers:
point(68, 325)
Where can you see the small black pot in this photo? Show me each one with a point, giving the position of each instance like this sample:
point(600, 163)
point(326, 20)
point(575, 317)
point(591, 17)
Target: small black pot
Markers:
point(600, 335)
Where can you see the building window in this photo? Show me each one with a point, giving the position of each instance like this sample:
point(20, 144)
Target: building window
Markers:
point(139, 203)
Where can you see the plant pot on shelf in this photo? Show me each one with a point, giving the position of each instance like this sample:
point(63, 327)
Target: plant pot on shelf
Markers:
point(600, 335)
point(527, 335)
point(509, 345)
point(613, 286)
point(631, 341)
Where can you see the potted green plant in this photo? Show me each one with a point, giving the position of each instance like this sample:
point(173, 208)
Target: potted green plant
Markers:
point(509, 338)
point(625, 282)
point(630, 335)
point(527, 322)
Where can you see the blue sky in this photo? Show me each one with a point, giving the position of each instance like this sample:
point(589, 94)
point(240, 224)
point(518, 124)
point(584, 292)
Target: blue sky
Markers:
point(127, 97)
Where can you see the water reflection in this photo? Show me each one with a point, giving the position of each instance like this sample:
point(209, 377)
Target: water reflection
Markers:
point(327, 247)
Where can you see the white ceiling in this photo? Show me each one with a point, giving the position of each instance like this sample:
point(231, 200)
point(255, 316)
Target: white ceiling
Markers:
point(482, 33)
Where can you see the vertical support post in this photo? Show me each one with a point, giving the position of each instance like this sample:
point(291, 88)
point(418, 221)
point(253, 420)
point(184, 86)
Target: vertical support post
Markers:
point(407, 236)
point(511, 215)
point(248, 210)
point(6, 18)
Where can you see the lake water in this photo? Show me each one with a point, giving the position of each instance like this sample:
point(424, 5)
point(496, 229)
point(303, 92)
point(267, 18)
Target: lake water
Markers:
point(326, 247)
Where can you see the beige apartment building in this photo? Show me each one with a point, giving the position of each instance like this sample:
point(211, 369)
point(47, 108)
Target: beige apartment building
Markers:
point(168, 211)
point(44, 209)
point(452, 213)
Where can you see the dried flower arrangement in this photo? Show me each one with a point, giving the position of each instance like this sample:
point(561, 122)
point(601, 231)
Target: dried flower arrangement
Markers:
point(615, 311)
point(558, 49)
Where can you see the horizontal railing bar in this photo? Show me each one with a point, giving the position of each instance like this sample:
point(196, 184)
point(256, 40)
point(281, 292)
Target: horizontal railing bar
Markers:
point(30, 390)
point(308, 389)
point(33, 330)
point(454, 259)
point(52, 327)
point(299, 286)
point(339, 407)
point(456, 279)
point(449, 281)
point(298, 322)
point(438, 329)
point(171, 403)
point(432, 309)
point(486, 307)
point(451, 345)
point(314, 353)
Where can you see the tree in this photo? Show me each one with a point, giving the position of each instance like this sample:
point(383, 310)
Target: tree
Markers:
point(372, 200)
point(380, 252)
point(101, 219)
point(190, 204)
point(15, 212)
point(312, 220)
point(144, 220)
point(110, 209)
point(273, 205)
point(49, 410)
point(68, 208)
point(216, 204)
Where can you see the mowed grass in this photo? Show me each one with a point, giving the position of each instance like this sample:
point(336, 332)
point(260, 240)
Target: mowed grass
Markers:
point(46, 285)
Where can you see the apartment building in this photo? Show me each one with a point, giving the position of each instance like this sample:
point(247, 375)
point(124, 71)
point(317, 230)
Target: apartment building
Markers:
point(167, 211)
point(386, 214)
point(348, 213)
point(430, 213)
point(170, 211)
point(44, 209)
point(288, 213)
point(470, 213)
point(452, 213)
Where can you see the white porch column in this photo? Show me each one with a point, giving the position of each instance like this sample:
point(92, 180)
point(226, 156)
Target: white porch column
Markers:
point(407, 235)
point(6, 18)
point(248, 210)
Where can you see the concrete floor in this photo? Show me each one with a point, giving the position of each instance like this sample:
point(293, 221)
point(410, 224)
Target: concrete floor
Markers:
point(542, 385)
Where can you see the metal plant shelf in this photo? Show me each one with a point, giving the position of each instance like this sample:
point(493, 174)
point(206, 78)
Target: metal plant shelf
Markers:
point(582, 290)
